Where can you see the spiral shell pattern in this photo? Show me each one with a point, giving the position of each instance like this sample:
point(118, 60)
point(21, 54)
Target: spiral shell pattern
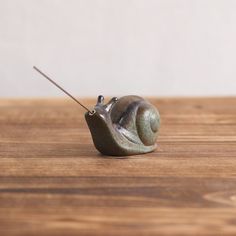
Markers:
point(147, 123)
point(139, 120)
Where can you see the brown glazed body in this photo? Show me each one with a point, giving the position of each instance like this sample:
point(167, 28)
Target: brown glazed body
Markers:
point(125, 126)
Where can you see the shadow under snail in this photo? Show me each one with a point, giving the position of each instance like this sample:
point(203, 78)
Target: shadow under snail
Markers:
point(124, 126)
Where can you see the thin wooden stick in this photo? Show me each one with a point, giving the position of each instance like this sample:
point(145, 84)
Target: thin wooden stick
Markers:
point(63, 90)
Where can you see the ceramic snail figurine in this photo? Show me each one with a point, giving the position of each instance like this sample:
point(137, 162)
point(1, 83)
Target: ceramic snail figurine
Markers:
point(125, 126)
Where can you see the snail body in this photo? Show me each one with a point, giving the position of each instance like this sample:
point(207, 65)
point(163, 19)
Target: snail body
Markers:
point(125, 126)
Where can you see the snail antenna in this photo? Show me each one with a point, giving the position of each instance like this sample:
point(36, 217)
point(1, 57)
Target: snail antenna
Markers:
point(63, 90)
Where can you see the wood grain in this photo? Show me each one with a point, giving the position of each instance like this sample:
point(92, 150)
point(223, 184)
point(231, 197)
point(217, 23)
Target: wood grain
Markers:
point(54, 182)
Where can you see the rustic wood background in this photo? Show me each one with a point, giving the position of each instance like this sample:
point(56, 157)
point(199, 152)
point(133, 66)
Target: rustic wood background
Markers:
point(54, 182)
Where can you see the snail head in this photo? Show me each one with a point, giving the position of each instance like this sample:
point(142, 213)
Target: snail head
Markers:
point(101, 109)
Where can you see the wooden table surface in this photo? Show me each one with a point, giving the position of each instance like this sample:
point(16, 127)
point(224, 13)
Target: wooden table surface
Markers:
point(54, 182)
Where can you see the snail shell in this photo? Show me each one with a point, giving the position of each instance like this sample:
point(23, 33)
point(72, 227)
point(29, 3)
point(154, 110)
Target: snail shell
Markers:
point(125, 126)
